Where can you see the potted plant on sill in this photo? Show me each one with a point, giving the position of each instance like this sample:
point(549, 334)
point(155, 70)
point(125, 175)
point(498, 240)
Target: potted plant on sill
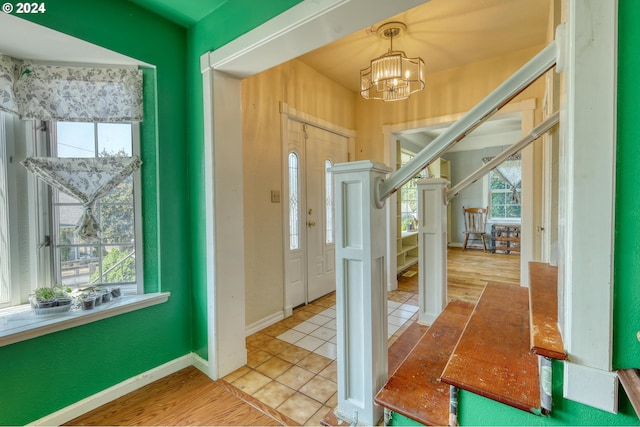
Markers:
point(51, 300)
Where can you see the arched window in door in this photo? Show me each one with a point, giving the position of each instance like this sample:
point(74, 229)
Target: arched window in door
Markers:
point(294, 202)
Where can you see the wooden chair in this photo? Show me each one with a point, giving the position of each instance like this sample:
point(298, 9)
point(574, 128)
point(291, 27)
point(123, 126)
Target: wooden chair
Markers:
point(475, 223)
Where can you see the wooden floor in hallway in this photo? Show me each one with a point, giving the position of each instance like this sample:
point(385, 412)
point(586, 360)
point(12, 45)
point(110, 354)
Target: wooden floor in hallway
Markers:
point(284, 384)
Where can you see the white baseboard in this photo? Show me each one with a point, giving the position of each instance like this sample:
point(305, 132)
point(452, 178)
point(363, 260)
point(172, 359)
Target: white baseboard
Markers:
point(288, 311)
point(201, 364)
point(127, 386)
point(264, 323)
point(591, 386)
point(455, 244)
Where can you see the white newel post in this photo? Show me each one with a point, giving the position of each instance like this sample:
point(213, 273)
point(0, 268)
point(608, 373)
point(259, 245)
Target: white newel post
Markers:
point(361, 293)
point(432, 248)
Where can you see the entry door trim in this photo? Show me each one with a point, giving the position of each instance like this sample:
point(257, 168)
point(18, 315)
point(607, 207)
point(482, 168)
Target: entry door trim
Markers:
point(288, 113)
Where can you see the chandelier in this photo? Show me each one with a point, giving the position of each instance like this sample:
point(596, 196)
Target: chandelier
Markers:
point(392, 76)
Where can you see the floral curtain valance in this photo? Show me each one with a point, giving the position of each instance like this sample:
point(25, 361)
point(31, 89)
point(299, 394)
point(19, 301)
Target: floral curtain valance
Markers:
point(77, 94)
point(7, 81)
point(86, 179)
point(510, 172)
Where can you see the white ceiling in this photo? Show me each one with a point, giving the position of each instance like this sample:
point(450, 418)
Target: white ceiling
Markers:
point(445, 33)
point(22, 39)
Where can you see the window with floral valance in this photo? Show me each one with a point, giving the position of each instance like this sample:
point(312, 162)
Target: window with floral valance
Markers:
point(59, 92)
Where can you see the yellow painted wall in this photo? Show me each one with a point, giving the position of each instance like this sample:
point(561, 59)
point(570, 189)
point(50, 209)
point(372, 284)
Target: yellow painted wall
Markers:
point(448, 92)
point(307, 91)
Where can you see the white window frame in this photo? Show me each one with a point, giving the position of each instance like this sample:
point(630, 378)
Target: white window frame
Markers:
point(137, 202)
point(486, 201)
point(15, 322)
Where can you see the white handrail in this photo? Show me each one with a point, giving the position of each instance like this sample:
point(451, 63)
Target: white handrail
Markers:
point(504, 93)
point(535, 133)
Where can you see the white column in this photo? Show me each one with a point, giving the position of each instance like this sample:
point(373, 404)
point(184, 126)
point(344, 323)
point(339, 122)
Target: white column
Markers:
point(361, 293)
point(432, 248)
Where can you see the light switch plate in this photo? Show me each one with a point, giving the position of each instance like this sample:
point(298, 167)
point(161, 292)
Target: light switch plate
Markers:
point(275, 196)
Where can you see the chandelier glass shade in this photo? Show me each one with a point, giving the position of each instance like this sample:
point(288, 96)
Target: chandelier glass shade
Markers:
point(392, 76)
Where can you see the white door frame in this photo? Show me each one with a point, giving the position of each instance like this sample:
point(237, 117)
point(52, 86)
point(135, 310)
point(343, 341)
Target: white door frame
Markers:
point(301, 29)
point(526, 108)
point(589, 152)
point(289, 113)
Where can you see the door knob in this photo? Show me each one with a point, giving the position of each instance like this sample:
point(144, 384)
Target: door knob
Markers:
point(311, 223)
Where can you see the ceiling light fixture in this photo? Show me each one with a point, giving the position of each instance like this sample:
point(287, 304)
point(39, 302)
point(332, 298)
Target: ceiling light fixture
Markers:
point(392, 76)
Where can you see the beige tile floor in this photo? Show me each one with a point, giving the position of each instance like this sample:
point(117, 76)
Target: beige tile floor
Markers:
point(301, 382)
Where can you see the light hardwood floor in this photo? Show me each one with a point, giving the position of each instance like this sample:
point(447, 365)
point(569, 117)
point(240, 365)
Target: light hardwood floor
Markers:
point(190, 398)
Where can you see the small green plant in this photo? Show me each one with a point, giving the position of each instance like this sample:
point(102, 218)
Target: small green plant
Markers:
point(60, 291)
point(49, 294)
point(44, 294)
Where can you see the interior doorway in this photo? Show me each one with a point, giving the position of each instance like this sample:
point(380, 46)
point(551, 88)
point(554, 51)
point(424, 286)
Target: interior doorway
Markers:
point(309, 224)
point(507, 127)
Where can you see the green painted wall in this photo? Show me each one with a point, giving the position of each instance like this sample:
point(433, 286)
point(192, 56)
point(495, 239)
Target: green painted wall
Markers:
point(226, 23)
point(626, 320)
point(42, 375)
point(477, 410)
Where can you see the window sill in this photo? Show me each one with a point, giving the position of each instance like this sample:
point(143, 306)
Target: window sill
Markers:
point(503, 221)
point(21, 323)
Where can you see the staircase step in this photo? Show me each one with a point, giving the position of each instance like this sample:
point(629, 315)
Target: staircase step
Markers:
point(493, 357)
point(414, 390)
point(546, 339)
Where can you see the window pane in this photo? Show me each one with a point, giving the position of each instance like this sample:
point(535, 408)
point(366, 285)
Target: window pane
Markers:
point(503, 203)
point(123, 193)
point(408, 199)
point(68, 217)
point(294, 203)
point(114, 139)
point(75, 139)
point(77, 264)
point(328, 185)
point(117, 222)
point(110, 259)
point(118, 265)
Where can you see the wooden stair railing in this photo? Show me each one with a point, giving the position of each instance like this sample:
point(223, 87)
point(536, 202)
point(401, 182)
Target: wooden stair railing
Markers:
point(415, 389)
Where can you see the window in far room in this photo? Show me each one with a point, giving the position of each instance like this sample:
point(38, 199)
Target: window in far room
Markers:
point(408, 198)
point(505, 190)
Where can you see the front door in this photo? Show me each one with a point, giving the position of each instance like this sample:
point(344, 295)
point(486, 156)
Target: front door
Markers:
point(310, 259)
point(323, 150)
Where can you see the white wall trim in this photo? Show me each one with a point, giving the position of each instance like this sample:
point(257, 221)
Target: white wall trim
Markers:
point(265, 322)
point(302, 28)
point(199, 363)
point(296, 31)
point(300, 116)
point(592, 387)
point(587, 185)
point(127, 386)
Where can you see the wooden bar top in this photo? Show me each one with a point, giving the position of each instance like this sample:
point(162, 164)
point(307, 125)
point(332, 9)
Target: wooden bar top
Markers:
point(493, 358)
point(546, 339)
point(415, 389)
